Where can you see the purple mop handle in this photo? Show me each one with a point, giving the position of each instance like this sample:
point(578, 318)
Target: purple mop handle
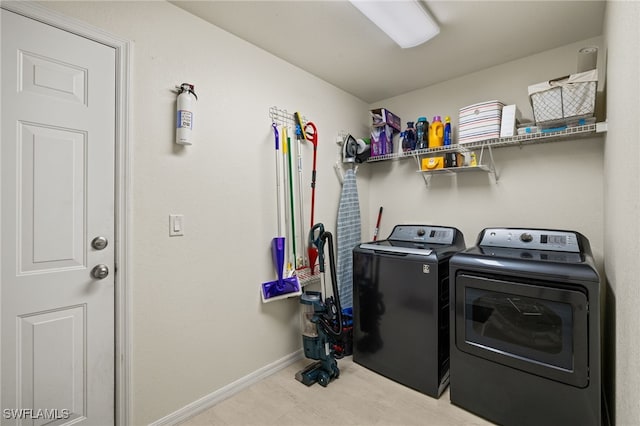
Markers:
point(275, 133)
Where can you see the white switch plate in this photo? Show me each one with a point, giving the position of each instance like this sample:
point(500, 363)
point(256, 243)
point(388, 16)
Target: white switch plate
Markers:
point(176, 225)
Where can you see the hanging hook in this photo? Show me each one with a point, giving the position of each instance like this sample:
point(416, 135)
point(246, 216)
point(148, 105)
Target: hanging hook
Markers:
point(339, 173)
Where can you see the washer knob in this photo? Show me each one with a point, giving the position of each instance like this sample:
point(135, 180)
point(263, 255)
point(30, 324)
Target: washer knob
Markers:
point(526, 237)
point(421, 232)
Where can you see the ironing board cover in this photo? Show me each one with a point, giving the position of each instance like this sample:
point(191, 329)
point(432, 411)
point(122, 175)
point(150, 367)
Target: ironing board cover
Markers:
point(348, 236)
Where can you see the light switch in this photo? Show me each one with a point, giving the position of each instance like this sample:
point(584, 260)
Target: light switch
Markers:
point(176, 225)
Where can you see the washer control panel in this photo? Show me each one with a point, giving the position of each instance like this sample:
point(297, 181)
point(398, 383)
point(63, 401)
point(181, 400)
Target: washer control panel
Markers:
point(534, 239)
point(423, 234)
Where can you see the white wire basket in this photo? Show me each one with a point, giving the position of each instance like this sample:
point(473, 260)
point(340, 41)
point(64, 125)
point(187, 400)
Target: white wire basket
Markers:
point(566, 98)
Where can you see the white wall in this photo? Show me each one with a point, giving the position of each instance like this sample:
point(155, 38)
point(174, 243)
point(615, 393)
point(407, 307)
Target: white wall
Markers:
point(198, 321)
point(622, 207)
point(556, 185)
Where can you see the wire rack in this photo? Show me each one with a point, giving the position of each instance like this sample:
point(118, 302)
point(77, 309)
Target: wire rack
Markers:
point(282, 117)
point(305, 277)
point(520, 140)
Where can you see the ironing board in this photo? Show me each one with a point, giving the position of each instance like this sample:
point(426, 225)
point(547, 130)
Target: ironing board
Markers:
point(348, 236)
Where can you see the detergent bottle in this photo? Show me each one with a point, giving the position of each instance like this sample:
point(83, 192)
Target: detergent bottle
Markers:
point(422, 133)
point(447, 130)
point(409, 141)
point(436, 132)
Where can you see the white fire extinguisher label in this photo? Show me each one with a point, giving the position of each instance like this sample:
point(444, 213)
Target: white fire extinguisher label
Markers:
point(184, 119)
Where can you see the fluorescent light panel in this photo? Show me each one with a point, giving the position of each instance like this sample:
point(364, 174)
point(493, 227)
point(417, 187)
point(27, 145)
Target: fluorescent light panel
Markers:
point(405, 21)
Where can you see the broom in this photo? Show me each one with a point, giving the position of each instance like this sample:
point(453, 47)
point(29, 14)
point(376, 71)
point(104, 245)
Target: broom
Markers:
point(282, 288)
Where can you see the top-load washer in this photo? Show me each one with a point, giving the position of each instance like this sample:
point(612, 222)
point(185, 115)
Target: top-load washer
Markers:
point(525, 328)
point(401, 305)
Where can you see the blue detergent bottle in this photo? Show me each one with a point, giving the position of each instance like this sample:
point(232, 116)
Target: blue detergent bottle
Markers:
point(447, 130)
point(422, 133)
point(409, 142)
point(450, 158)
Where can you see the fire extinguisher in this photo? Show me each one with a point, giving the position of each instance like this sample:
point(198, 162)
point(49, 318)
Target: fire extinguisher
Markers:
point(184, 115)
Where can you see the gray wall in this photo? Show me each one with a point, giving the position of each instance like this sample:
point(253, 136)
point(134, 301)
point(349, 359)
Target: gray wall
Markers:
point(621, 209)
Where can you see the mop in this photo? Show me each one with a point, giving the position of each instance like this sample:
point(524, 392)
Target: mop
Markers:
point(348, 232)
point(283, 287)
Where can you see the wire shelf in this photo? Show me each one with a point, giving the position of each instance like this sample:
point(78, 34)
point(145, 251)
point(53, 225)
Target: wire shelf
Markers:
point(454, 170)
point(305, 277)
point(520, 140)
point(385, 157)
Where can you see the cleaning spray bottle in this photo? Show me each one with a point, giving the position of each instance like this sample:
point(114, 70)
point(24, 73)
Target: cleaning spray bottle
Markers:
point(450, 158)
point(436, 132)
point(447, 130)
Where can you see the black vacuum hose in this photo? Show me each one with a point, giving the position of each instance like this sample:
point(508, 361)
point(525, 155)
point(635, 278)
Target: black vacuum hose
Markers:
point(334, 285)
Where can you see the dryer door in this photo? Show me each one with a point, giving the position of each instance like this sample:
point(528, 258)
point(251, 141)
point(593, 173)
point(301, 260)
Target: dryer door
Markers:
point(540, 329)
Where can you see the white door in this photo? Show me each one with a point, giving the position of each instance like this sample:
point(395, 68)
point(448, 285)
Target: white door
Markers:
point(57, 185)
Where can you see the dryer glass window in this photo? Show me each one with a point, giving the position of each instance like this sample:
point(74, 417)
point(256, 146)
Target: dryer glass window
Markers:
point(540, 329)
point(535, 329)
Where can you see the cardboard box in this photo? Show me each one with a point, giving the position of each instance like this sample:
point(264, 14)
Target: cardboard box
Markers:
point(387, 118)
point(510, 117)
point(384, 126)
point(432, 163)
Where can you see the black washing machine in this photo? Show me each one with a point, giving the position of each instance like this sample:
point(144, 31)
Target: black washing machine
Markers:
point(526, 321)
point(401, 305)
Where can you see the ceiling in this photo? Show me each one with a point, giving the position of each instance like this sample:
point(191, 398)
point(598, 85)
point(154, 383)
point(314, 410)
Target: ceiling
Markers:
point(334, 41)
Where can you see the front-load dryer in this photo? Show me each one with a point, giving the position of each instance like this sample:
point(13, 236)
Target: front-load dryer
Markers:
point(525, 328)
point(401, 305)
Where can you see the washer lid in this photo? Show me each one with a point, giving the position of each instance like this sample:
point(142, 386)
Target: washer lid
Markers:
point(403, 247)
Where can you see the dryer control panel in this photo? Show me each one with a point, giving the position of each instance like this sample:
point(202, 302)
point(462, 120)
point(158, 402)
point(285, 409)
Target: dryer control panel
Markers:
point(534, 239)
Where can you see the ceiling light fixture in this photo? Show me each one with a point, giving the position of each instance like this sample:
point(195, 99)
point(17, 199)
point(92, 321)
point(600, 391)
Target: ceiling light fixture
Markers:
point(405, 21)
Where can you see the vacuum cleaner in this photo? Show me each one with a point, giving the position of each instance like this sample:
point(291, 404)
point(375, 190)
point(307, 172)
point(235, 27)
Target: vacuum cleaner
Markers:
point(322, 325)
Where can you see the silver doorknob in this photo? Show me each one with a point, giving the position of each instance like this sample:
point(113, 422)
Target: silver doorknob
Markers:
point(100, 271)
point(99, 243)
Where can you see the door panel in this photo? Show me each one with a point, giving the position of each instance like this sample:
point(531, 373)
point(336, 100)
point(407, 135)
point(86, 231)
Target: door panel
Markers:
point(50, 77)
point(52, 351)
point(57, 167)
point(53, 200)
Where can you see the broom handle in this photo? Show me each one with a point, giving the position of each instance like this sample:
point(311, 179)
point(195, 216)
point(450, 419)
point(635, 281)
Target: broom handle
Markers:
point(300, 200)
point(278, 190)
point(289, 208)
point(375, 232)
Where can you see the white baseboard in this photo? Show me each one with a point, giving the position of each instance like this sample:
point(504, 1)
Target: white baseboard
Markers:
point(208, 401)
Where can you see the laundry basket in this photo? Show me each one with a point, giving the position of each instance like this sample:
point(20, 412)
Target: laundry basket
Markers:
point(564, 99)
